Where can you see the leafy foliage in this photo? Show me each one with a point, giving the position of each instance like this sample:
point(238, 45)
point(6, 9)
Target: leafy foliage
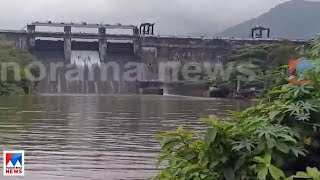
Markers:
point(262, 60)
point(11, 85)
point(263, 142)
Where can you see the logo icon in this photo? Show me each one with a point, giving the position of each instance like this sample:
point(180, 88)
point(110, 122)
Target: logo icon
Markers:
point(13, 163)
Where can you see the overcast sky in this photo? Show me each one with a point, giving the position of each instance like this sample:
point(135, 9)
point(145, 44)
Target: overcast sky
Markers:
point(170, 16)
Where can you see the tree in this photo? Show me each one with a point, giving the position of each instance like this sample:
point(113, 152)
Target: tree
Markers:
point(9, 84)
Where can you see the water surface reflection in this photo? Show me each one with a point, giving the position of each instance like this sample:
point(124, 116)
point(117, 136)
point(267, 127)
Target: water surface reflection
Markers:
point(95, 137)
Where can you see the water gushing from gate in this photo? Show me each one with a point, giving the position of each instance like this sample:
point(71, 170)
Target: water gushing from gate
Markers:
point(83, 59)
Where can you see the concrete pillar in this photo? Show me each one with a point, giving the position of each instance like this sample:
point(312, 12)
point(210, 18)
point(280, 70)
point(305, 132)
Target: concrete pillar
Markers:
point(67, 49)
point(103, 49)
point(67, 29)
point(31, 39)
point(102, 30)
point(31, 28)
point(137, 47)
point(32, 42)
point(102, 43)
point(67, 43)
point(136, 31)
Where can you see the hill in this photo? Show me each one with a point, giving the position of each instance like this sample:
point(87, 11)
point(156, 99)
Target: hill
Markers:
point(295, 19)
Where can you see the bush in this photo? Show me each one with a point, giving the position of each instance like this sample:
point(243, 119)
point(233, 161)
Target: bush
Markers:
point(272, 140)
point(11, 86)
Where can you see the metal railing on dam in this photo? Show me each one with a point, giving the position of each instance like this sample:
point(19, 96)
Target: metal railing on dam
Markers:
point(80, 35)
point(227, 38)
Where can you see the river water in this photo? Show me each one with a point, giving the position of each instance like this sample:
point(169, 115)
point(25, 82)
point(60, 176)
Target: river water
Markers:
point(80, 137)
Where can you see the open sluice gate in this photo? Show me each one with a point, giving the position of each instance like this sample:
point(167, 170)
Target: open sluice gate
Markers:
point(83, 59)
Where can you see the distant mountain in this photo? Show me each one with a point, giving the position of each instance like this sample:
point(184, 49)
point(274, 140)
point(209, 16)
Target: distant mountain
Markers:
point(295, 19)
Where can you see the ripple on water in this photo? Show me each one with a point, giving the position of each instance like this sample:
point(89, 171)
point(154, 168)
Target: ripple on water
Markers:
point(97, 137)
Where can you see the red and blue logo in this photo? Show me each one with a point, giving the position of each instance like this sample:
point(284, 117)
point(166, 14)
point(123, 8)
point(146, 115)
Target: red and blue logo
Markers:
point(13, 163)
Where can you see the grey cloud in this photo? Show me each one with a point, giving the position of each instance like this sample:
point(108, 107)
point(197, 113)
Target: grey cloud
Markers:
point(203, 17)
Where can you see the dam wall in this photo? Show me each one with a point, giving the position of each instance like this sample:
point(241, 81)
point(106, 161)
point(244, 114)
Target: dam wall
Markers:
point(148, 48)
point(183, 50)
point(198, 49)
point(18, 39)
point(83, 49)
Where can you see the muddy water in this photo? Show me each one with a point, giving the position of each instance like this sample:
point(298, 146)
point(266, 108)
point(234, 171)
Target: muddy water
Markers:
point(94, 137)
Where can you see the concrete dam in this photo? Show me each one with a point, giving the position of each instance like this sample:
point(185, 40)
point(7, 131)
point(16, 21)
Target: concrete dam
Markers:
point(99, 62)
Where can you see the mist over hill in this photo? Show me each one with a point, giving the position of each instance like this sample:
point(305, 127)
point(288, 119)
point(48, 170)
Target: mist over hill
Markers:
point(295, 19)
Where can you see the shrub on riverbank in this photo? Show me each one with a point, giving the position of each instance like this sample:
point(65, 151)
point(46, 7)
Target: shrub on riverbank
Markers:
point(277, 139)
point(262, 60)
point(8, 84)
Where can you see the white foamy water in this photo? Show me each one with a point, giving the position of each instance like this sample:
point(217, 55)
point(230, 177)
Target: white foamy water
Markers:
point(85, 58)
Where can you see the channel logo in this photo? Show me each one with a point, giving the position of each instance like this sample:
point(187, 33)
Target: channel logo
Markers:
point(13, 163)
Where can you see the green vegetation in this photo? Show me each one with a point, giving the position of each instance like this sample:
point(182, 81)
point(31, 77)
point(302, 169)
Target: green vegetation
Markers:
point(10, 85)
point(277, 139)
point(262, 60)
